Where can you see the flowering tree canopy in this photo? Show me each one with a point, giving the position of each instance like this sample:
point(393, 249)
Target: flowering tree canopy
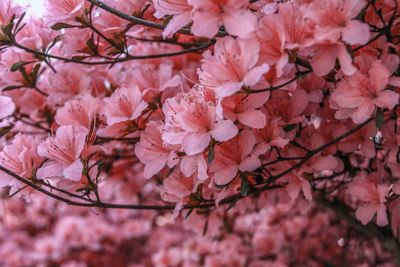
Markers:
point(200, 133)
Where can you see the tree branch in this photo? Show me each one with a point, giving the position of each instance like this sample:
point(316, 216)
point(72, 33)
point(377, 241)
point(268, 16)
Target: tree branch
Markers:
point(140, 21)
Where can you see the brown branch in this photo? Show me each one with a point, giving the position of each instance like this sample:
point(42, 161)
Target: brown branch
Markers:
point(273, 88)
point(313, 152)
point(209, 204)
point(370, 230)
point(140, 21)
point(37, 187)
point(117, 60)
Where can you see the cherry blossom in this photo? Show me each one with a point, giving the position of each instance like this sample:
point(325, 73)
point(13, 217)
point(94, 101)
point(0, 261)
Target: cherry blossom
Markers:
point(179, 9)
point(123, 105)
point(79, 112)
point(232, 66)
point(200, 133)
point(209, 14)
point(372, 197)
point(193, 123)
point(64, 10)
point(336, 19)
point(358, 96)
point(21, 157)
point(7, 106)
point(63, 151)
point(244, 109)
point(239, 154)
point(152, 151)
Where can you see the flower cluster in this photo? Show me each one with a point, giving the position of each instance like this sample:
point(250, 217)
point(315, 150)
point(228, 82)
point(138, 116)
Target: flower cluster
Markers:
point(191, 105)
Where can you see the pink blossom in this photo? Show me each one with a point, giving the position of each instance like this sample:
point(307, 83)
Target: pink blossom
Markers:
point(20, 157)
point(297, 28)
point(233, 65)
point(194, 165)
point(35, 35)
point(244, 108)
point(325, 59)
point(152, 152)
point(273, 135)
point(372, 197)
point(238, 154)
point(64, 10)
point(231, 169)
point(112, 25)
point(180, 11)
point(335, 19)
point(395, 217)
point(361, 140)
point(391, 141)
point(153, 80)
point(288, 106)
point(323, 161)
point(193, 123)
point(65, 84)
point(68, 46)
point(80, 111)
point(208, 15)
point(295, 184)
point(63, 152)
point(177, 186)
point(124, 104)
point(8, 58)
point(272, 42)
point(7, 107)
point(358, 96)
point(7, 10)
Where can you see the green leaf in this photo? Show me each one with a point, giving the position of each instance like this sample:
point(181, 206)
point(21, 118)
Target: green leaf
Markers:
point(79, 58)
point(188, 213)
point(61, 25)
point(11, 87)
point(379, 118)
point(245, 186)
point(17, 27)
point(7, 29)
point(167, 19)
point(289, 127)
point(53, 43)
point(25, 75)
point(35, 72)
point(91, 45)
point(205, 228)
point(17, 66)
point(211, 152)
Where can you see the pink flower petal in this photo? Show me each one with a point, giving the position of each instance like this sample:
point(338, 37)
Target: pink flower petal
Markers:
point(363, 113)
point(240, 22)
point(74, 171)
point(224, 130)
point(153, 167)
point(176, 23)
point(249, 164)
point(7, 106)
point(194, 143)
point(356, 32)
point(381, 217)
point(253, 118)
point(387, 99)
point(49, 169)
point(254, 75)
point(345, 60)
point(205, 24)
point(225, 175)
point(365, 213)
point(324, 61)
